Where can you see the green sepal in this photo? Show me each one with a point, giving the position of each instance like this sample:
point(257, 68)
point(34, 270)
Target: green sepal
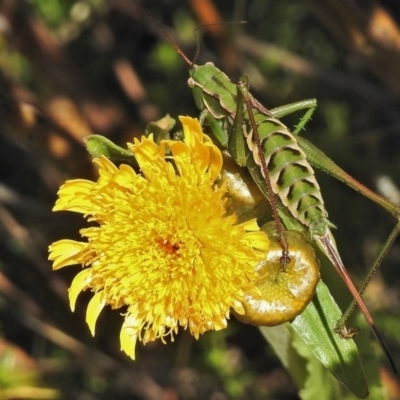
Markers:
point(327, 351)
point(98, 145)
point(161, 129)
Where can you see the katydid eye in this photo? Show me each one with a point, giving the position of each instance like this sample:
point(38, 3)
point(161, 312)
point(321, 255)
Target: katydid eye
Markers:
point(284, 294)
point(191, 83)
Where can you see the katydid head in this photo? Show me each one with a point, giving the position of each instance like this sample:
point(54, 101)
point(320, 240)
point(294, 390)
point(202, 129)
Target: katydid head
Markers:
point(212, 91)
point(200, 74)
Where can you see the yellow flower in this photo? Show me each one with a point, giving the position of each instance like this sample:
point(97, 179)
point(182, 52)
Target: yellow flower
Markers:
point(163, 245)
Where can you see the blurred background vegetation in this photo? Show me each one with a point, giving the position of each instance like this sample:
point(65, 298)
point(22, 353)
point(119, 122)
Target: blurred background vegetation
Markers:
point(72, 68)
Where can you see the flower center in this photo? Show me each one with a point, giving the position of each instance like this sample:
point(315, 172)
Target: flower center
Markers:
point(167, 246)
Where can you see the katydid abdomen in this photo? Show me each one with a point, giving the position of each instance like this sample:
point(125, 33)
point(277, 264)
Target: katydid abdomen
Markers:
point(292, 177)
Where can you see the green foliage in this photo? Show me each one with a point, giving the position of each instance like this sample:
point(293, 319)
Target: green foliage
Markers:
point(308, 349)
point(18, 378)
point(53, 12)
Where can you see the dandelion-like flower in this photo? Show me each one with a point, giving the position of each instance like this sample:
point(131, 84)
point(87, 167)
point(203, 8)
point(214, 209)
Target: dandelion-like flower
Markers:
point(163, 246)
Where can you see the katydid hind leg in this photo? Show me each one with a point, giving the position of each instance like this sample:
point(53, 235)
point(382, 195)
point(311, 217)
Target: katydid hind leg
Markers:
point(375, 266)
point(320, 160)
point(243, 97)
point(330, 250)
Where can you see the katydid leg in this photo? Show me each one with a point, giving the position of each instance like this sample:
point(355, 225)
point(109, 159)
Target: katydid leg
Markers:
point(309, 105)
point(389, 242)
point(318, 159)
point(326, 243)
point(243, 98)
point(216, 127)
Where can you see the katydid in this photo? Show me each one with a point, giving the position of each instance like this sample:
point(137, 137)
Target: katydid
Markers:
point(256, 138)
point(271, 146)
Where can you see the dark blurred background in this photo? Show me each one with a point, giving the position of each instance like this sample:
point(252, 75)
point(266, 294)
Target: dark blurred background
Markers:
point(72, 68)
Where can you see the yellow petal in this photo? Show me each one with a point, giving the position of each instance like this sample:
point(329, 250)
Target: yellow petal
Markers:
point(182, 155)
point(66, 252)
point(80, 282)
point(203, 151)
point(71, 195)
point(128, 339)
point(107, 167)
point(258, 240)
point(191, 130)
point(250, 225)
point(194, 138)
point(94, 308)
point(215, 163)
point(146, 150)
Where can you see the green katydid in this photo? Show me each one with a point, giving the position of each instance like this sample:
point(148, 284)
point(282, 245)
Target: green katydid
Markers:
point(256, 138)
point(272, 154)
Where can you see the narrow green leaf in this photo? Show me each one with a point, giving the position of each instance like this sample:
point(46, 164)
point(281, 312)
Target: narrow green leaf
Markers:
point(319, 379)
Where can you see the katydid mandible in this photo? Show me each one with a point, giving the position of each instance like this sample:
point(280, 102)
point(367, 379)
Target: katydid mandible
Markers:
point(274, 158)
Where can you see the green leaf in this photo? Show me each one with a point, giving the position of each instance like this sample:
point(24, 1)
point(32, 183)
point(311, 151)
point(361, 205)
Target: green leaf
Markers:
point(319, 379)
point(309, 348)
point(280, 338)
point(315, 326)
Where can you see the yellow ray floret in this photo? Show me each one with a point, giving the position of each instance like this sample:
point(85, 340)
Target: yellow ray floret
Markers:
point(163, 247)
